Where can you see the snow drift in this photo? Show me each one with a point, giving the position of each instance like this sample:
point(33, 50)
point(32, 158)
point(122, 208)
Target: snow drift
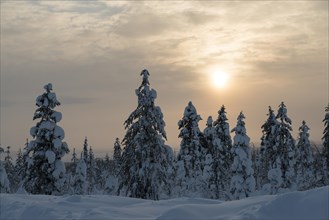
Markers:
point(312, 204)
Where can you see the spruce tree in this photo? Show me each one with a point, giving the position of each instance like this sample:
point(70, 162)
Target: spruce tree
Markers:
point(219, 174)
point(305, 161)
point(256, 158)
point(91, 172)
point(80, 179)
point(74, 158)
point(108, 165)
point(117, 156)
point(222, 150)
point(10, 169)
point(20, 167)
point(74, 161)
point(284, 149)
point(46, 171)
point(243, 181)
point(85, 150)
point(321, 174)
point(209, 174)
point(144, 157)
point(4, 181)
point(190, 158)
point(267, 153)
point(325, 139)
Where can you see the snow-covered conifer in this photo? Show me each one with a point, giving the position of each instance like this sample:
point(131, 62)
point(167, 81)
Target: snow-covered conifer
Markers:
point(107, 163)
point(209, 174)
point(255, 158)
point(222, 151)
point(304, 161)
point(216, 159)
point(91, 172)
point(80, 178)
point(117, 157)
point(117, 150)
point(191, 155)
point(222, 129)
point(267, 153)
point(10, 169)
point(209, 130)
point(284, 150)
point(20, 167)
point(73, 164)
point(46, 171)
point(321, 173)
point(85, 151)
point(4, 181)
point(74, 158)
point(325, 139)
point(144, 157)
point(243, 181)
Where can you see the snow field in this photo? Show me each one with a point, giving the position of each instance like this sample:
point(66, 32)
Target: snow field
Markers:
point(312, 204)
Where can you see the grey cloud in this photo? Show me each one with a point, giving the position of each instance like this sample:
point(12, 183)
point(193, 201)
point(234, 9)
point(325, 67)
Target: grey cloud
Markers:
point(199, 18)
point(144, 25)
point(95, 58)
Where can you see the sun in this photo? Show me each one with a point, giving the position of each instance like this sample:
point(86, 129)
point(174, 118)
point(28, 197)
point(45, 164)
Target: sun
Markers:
point(219, 79)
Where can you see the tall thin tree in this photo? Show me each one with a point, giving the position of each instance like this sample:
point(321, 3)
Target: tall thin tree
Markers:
point(243, 181)
point(144, 157)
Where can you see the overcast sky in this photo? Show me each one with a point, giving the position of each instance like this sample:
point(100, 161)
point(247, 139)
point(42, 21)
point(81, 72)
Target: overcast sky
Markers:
point(94, 51)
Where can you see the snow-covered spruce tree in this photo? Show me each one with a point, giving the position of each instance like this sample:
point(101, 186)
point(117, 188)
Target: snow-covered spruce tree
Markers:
point(80, 179)
point(46, 171)
point(216, 173)
point(74, 161)
point(321, 174)
point(222, 146)
point(255, 158)
point(85, 151)
point(325, 139)
point(117, 156)
point(113, 170)
point(20, 165)
point(243, 181)
point(285, 153)
point(267, 154)
point(108, 166)
point(144, 157)
point(91, 172)
point(304, 161)
point(189, 166)
point(209, 175)
point(4, 181)
point(10, 169)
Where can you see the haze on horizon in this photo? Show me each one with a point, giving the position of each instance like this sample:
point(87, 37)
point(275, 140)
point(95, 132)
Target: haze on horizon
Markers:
point(93, 52)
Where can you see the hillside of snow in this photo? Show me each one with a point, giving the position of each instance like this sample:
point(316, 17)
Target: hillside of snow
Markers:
point(312, 204)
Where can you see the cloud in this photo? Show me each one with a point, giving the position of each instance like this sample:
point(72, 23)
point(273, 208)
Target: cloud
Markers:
point(93, 52)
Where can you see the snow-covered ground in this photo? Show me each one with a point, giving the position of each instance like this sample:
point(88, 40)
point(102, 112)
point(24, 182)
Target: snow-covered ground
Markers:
point(312, 204)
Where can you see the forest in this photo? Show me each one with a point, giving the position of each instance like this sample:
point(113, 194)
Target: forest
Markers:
point(216, 163)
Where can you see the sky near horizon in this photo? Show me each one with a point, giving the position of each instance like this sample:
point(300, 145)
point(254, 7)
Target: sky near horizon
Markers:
point(94, 51)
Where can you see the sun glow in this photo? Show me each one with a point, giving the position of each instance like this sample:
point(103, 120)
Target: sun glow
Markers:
point(220, 79)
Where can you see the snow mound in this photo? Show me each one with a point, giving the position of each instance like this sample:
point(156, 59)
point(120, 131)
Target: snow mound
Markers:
point(312, 204)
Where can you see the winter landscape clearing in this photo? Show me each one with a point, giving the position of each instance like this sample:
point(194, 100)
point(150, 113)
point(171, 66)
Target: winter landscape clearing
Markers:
point(311, 204)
